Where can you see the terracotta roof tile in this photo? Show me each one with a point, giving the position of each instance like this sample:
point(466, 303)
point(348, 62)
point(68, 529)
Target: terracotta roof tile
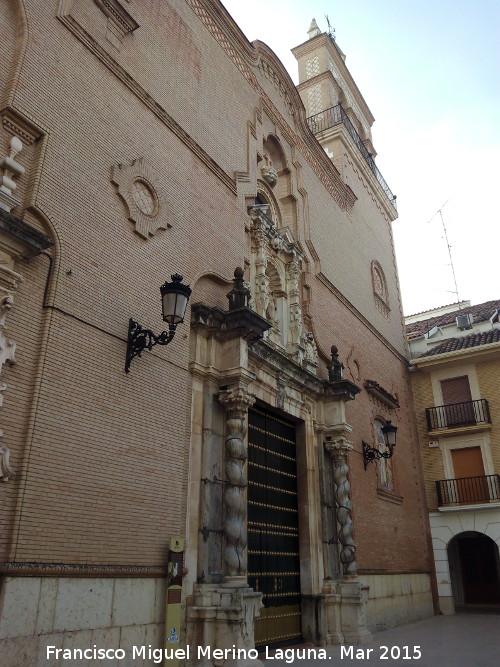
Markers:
point(481, 313)
point(472, 340)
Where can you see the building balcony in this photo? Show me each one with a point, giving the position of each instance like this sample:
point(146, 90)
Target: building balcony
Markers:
point(324, 120)
point(468, 491)
point(458, 415)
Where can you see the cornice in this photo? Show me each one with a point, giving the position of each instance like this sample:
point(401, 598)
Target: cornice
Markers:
point(20, 237)
point(222, 324)
point(287, 368)
point(118, 14)
point(79, 570)
point(21, 125)
point(381, 394)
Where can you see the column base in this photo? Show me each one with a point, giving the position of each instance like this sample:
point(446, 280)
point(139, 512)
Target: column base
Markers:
point(353, 612)
point(220, 626)
point(333, 613)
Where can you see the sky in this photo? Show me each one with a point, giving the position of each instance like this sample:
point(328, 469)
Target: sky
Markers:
point(429, 71)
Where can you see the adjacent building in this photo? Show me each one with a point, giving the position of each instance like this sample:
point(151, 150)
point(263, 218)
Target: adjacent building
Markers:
point(246, 463)
point(455, 354)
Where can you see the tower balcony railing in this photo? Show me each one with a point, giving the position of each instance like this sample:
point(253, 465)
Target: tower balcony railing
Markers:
point(453, 415)
point(468, 490)
point(336, 115)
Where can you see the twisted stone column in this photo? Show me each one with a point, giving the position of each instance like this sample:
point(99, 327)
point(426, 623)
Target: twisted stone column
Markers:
point(236, 403)
point(339, 449)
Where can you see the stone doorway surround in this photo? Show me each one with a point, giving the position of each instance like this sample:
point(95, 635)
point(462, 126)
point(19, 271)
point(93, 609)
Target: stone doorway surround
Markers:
point(232, 367)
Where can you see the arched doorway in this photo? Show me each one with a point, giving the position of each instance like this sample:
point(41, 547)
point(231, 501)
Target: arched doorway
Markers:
point(474, 570)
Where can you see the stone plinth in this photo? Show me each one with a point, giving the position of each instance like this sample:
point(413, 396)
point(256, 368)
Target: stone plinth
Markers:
point(222, 618)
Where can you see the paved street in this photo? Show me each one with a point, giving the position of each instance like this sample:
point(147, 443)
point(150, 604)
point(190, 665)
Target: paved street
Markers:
point(464, 640)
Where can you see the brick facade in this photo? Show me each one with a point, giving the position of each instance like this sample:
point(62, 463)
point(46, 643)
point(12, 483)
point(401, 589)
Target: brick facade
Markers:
point(104, 460)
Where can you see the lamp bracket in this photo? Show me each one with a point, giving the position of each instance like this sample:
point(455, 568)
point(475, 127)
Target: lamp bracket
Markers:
point(373, 454)
point(140, 339)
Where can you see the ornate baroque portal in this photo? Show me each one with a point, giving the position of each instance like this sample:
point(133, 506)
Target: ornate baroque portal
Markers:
point(264, 490)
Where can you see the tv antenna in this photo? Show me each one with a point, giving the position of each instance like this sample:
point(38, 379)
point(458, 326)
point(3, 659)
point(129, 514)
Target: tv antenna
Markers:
point(440, 213)
point(331, 31)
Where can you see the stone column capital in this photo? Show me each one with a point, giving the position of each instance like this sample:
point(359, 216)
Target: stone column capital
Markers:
point(338, 448)
point(236, 402)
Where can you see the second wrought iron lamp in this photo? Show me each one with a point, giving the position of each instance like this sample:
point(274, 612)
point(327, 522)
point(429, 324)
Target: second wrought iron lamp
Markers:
point(372, 453)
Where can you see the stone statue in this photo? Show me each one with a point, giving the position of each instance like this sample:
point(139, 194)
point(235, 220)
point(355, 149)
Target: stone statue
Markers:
point(262, 294)
point(295, 323)
point(310, 349)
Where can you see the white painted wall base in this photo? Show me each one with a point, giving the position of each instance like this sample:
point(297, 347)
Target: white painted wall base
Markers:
point(36, 612)
point(396, 599)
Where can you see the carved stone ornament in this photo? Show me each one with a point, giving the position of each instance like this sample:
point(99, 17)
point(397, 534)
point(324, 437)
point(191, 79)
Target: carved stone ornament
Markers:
point(275, 272)
point(6, 472)
point(281, 393)
point(335, 367)
point(236, 403)
point(10, 169)
point(339, 449)
point(136, 185)
point(269, 173)
point(310, 350)
point(7, 350)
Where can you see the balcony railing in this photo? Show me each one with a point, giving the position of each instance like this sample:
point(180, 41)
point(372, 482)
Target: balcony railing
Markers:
point(336, 115)
point(469, 413)
point(468, 490)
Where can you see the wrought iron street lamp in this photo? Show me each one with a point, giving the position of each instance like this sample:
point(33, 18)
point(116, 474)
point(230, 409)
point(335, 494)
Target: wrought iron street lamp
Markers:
point(372, 453)
point(174, 299)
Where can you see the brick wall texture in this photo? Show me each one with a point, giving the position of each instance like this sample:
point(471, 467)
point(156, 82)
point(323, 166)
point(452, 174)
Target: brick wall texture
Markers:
point(101, 456)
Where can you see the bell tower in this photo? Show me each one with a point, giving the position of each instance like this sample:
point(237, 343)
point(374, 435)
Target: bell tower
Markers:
point(337, 113)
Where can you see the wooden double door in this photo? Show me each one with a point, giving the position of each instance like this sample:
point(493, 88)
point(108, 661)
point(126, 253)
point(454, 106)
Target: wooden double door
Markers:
point(273, 535)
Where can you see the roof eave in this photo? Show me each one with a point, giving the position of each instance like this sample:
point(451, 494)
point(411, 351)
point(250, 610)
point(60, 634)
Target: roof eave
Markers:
point(434, 360)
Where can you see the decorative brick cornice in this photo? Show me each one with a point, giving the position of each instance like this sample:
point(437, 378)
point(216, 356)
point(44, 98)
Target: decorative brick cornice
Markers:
point(118, 14)
point(79, 570)
point(21, 125)
point(381, 394)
